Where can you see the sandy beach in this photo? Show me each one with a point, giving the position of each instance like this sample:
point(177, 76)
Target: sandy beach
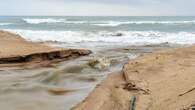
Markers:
point(163, 80)
point(97, 63)
point(15, 50)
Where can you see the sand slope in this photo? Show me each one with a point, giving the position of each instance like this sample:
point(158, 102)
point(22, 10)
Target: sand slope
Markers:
point(14, 49)
point(162, 80)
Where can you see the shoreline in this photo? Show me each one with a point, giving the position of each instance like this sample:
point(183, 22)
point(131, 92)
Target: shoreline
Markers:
point(159, 80)
point(14, 50)
point(36, 74)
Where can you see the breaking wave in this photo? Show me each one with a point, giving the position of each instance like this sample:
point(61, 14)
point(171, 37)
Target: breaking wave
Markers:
point(118, 23)
point(51, 20)
point(5, 24)
point(105, 23)
point(130, 37)
point(48, 20)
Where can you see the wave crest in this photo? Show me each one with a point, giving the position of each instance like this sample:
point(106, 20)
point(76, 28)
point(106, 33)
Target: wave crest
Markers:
point(105, 23)
point(130, 37)
point(118, 23)
point(48, 20)
point(5, 24)
point(51, 20)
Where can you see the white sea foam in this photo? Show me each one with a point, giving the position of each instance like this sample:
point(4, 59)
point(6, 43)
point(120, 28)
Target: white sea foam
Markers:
point(130, 37)
point(162, 22)
point(101, 23)
point(118, 23)
point(110, 23)
point(48, 20)
point(4, 24)
point(51, 20)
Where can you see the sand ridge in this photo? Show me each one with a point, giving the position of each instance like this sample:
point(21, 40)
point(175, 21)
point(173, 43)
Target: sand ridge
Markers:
point(14, 49)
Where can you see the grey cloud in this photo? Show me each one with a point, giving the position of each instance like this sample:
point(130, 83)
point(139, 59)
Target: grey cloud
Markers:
point(70, 7)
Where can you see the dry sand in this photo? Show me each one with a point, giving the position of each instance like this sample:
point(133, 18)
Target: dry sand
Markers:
point(163, 80)
point(14, 49)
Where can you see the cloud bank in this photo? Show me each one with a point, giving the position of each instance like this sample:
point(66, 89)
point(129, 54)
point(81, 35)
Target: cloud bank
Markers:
point(98, 7)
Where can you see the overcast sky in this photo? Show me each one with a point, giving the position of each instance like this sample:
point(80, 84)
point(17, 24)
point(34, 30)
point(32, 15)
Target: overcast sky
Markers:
point(98, 7)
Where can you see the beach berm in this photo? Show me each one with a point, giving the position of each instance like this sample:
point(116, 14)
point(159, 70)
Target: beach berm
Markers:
point(14, 49)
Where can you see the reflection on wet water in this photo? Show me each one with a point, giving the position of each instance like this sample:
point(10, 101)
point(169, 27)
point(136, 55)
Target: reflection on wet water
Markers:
point(64, 85)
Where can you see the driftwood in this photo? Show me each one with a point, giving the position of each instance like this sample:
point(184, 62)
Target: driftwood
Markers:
point(133, 87)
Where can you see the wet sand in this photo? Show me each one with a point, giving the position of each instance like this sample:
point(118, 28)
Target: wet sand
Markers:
point(162, 80)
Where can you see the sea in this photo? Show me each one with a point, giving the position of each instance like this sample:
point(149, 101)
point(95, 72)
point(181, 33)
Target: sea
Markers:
point(114, 40)
point(101, 30)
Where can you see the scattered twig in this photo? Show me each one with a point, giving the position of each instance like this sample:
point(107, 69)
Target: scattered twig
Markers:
point(187, 91)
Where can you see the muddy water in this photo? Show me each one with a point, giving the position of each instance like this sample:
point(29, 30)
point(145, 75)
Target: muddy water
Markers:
point(63, 85)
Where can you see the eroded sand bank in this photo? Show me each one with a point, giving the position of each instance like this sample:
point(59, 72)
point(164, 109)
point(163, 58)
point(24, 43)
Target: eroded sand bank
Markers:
point(162, 80)
point(30, 78)
point(14, 49)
